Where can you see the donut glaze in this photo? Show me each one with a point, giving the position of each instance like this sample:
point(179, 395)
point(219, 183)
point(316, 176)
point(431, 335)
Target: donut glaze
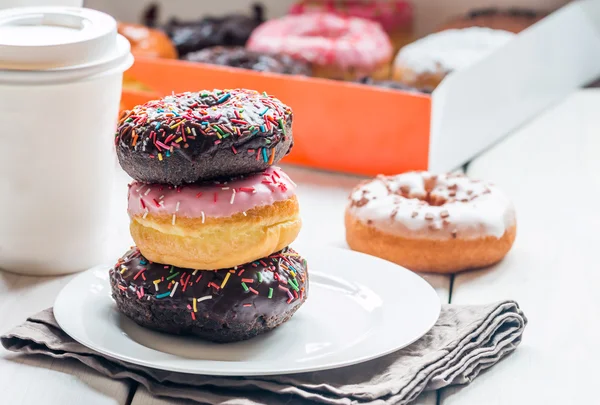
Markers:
point(223, 306)
point(419, 204)
point(243, 58)
point(213, 199)
point(325, 39)
point(191, 137)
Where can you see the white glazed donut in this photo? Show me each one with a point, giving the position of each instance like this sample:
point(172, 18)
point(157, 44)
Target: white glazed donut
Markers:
point(338, 47)
point(444, 223)
point(424, 63)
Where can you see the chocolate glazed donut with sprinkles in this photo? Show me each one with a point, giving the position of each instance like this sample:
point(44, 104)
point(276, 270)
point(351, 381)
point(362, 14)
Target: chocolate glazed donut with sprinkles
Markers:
point(222, 306)
point(190, 137)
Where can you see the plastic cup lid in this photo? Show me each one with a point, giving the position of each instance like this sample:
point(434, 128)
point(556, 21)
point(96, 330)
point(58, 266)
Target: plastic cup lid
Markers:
point(49, 38)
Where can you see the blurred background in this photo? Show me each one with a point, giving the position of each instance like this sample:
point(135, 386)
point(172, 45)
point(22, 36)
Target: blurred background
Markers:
point(428, 13)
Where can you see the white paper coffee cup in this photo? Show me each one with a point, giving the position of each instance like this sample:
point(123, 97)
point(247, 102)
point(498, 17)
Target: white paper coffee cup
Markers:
point(61, 71)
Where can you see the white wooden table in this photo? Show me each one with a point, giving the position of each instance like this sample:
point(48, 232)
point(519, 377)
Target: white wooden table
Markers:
point(551, 169)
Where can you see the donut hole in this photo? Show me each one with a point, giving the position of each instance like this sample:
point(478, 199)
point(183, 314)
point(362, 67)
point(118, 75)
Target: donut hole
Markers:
point(430, 198)
point(434, 193)
point(435, 200)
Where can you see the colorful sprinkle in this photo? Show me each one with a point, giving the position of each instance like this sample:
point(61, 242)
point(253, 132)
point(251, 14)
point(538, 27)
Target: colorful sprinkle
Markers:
point(272, 156)
point(139, 273)
point(175, 289)
point(281, 125)
point(225, 280)
point(187, 280)
point(224, 98)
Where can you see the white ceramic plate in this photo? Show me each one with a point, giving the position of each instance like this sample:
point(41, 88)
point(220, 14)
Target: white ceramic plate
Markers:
point(359, 308)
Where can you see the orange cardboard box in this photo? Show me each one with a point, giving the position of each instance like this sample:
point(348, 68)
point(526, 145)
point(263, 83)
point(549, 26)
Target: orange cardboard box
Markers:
point(365, 130)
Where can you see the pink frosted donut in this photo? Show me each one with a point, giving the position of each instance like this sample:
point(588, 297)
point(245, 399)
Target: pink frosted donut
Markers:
point(215, 225)
point(338, 47)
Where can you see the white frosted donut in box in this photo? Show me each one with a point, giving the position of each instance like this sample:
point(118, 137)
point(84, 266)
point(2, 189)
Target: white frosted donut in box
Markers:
point(424, 63)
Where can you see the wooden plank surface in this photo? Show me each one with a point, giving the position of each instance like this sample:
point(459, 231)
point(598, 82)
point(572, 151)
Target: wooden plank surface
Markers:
point(551, 169)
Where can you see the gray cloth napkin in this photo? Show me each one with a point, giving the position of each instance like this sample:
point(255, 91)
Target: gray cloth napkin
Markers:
point(465, 341)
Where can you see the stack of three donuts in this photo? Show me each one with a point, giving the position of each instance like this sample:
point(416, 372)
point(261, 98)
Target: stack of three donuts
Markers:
point(211, 216)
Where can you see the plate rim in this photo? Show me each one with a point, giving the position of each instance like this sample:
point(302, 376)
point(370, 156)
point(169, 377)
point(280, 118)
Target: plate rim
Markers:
point(237, 372)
